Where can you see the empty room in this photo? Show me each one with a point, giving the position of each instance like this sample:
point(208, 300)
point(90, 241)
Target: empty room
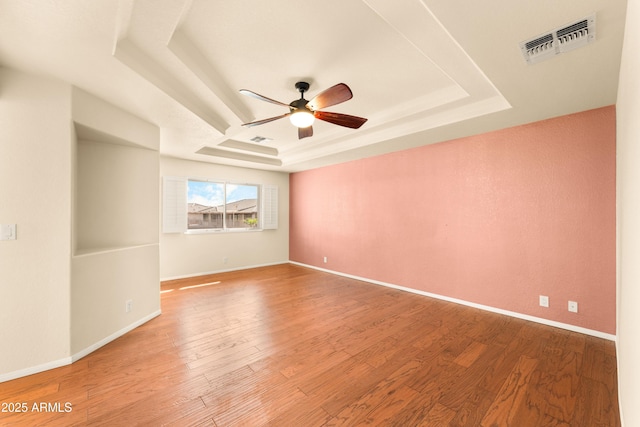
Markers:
point(250, 213)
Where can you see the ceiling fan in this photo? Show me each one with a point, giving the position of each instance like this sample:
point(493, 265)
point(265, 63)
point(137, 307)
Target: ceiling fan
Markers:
point(302, 112)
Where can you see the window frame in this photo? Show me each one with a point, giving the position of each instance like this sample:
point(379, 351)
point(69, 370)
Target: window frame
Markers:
point(225, 228)
point(175, 206)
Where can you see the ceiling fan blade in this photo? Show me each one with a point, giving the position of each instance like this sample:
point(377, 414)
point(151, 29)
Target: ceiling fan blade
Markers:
point(332, 96)
point(260, 97)
point(305, 132)
point(263, 121)
point(345, 120)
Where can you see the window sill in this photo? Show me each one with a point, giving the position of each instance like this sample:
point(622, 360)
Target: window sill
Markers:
point(222, 230)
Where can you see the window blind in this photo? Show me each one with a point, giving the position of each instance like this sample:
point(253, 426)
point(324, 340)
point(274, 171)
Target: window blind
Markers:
point(174, 204)
point(269, 207)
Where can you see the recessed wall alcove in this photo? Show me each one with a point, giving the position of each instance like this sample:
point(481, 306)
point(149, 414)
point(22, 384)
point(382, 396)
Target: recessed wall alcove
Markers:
point(115, 223)
point(116, 195)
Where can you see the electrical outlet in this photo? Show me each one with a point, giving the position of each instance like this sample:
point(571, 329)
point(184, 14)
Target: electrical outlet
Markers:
point(544, 301)
point(573, 306)
point(325, 260)
point(128, 306)
point(225, 260)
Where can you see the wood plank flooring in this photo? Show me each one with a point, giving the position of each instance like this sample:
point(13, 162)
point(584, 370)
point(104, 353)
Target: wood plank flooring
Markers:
point(290, 346)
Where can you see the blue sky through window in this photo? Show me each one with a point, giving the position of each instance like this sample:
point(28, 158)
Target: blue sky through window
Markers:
point(212, 193)
point(240, 192)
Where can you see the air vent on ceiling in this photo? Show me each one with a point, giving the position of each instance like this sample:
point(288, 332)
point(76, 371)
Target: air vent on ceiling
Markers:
point(551, 43)
point(260, 139)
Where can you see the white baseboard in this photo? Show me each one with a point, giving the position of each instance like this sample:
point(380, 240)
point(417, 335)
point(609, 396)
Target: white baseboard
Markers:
point(69, 360)
point(471, 304)
point(205, 273)
point(35, 369)
point(82, 353)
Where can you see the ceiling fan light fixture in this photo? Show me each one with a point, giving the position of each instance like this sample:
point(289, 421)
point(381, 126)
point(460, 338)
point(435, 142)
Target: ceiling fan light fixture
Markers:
point(302, 113)
point(302, 119)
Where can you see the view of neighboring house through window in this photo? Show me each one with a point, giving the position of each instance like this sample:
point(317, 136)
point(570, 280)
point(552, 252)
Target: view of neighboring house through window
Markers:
point(219, 205)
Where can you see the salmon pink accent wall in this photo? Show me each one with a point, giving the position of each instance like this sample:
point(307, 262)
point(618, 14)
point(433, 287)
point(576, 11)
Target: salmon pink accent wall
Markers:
point(495, 219)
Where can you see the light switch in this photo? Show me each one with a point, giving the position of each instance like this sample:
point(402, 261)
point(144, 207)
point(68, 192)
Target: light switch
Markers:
point(8, 231)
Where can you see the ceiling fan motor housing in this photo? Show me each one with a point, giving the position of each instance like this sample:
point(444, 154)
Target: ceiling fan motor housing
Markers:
point(299, 104)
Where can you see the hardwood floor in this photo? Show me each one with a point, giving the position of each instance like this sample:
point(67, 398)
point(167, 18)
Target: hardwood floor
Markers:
point(290, 346)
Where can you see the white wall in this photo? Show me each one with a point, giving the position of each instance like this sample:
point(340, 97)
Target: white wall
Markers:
point(183, 255)
point(628, 178)
point(115, 223)
point(114, 198)
point(35, 182)
point(57, 304)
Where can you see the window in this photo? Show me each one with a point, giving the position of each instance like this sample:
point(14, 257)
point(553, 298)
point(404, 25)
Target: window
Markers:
point(241, 207)
point(219, 205)
point(192, 204)
point(205, 204)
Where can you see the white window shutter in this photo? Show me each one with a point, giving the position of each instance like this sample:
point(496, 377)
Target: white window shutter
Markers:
point(174, 204)
point(269, 207)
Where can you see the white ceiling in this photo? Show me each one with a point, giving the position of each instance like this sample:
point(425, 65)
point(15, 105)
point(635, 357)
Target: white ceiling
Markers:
point(422, 71)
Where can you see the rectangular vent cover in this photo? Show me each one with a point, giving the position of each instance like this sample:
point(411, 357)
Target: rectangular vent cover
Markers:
point(560, 40)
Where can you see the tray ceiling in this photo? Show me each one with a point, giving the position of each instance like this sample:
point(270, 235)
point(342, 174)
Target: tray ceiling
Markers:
point(421, 71)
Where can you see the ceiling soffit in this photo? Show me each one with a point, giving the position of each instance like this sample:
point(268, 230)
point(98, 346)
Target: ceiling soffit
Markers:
point(406, 71)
